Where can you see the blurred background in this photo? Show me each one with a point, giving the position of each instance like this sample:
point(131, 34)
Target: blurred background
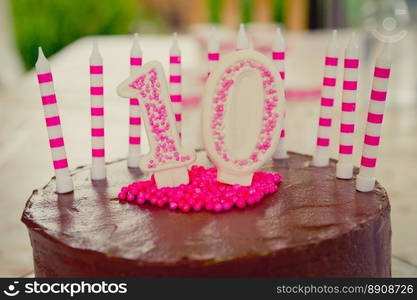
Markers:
point(66, 29)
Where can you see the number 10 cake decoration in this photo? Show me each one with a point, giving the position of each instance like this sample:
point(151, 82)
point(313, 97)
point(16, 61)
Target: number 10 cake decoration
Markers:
point(242, 121)
point(243, 105)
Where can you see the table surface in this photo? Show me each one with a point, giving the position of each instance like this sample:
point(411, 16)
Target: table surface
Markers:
point(25, 161)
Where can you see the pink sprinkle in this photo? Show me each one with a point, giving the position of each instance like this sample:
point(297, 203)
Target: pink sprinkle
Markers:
point(203, 192)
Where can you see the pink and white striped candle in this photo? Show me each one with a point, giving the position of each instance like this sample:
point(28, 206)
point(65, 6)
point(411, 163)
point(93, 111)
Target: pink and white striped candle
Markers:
point(64, 182)
point(278, 57)
point(213, 54)
point(365, 180)
point(175, 81)
point(242, 42)
point(98, 166)
point(322, 154)
point(344, 167)
point(135, 120)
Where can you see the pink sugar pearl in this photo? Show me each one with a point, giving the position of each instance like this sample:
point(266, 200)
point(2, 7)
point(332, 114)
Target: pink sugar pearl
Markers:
point(203, 192)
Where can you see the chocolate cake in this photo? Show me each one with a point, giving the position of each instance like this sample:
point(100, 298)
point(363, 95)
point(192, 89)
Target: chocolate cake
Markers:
point(314, 226)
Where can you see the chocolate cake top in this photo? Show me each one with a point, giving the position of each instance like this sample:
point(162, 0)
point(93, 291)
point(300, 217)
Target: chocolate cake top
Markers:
point(310, 206)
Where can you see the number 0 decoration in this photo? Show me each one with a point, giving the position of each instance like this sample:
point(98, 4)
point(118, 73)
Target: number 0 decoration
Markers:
point(221, 98)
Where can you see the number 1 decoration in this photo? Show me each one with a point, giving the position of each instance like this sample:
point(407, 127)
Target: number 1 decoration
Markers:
point(167, 159)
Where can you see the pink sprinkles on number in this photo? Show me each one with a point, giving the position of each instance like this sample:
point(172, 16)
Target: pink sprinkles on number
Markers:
point(269, 120)
point(203, 192)
point(166, 150)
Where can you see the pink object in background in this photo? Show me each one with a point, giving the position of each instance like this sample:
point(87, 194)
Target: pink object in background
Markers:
point(365, 181)
point(64, 182)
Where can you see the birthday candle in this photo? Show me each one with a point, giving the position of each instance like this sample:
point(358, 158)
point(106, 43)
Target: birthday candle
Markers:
point(98, 168)
point(365, 180)
point(278, 56)
point(242, 39)
point(321, 156)
point(344, 167)
point(175, 80)
point(134, 110)
point(213, 54)
point(53, 125)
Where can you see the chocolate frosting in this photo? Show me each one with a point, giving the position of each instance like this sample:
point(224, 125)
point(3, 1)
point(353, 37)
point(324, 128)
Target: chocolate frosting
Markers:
point(315, 225)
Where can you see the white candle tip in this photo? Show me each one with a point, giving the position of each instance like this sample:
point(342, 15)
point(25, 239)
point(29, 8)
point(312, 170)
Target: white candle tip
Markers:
point(278, 43)
point(175, 49)
point(40, 53)
point(42, 64)
point(95, 50)
point(95, 44)
point(213, 43)
point(213, 32)
point(242, 38)
point(352, 48)
point(41, 57)
point(384, 56)
point(95, 57)
point(353, 41)
point(136, 50)
point(333, 47)
point(333, 40)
